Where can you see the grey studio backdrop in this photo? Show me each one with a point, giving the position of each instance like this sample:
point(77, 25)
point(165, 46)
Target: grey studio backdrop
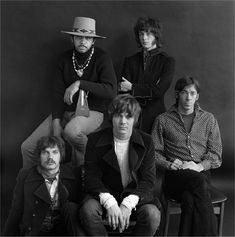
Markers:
point(199, 34)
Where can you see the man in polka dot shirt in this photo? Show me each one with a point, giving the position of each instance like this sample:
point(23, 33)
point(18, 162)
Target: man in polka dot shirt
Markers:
point(187, 145)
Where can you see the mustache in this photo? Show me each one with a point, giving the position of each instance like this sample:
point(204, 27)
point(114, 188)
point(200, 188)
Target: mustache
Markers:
point(50, 161)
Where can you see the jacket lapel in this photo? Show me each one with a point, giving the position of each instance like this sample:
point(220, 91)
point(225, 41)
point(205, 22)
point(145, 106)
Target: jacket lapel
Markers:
point(65, 174)
point(42, 193)
point(63, 192)
point(106, 141)
point(111, 158)
point(137, 151)
point(40, 187)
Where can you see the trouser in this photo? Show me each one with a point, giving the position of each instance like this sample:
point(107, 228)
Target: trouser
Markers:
point(92, 213)
point(69, 223)
point(191, 189)
point(75, 132)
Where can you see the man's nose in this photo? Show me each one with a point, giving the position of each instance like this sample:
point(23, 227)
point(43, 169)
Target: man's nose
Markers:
point(188, 96)
point(123, 120)
point(49, 155)
point(144, 36)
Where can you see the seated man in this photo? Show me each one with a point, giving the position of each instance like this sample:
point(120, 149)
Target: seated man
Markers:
point(84, 82)
point(120, 175)
point(46, 196)
point(187, 145)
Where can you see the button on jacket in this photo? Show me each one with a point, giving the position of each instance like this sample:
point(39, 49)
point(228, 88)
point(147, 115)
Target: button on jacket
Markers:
point(149, 83)
point(31, 199)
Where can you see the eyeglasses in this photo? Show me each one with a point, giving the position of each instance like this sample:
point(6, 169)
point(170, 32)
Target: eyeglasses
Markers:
point(186, 93)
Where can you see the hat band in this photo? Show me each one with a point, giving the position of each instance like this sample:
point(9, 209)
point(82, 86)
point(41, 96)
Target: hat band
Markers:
point(84, 31)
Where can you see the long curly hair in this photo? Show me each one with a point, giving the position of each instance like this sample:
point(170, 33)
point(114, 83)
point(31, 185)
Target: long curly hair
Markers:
point(148, 24)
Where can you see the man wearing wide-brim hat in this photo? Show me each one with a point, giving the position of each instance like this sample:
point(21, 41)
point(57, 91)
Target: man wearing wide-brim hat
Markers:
point(84, 83)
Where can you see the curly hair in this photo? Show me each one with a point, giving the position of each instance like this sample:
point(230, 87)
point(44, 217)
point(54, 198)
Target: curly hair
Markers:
point(149, 25)
point(51, 141)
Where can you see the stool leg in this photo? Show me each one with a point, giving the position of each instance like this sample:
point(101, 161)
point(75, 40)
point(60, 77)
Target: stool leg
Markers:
point(167, 220)
point(221, 219)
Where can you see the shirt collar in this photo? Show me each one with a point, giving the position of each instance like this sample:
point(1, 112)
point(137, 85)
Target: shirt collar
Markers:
point(46, 175)
point(151, 52)
point(106, 138)
point(197, 109)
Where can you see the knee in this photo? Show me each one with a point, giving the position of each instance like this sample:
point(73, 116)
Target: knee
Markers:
point(201, 181)
point(155, 218)
point(152, 216)
point(29, 155)
point(74, 135)
point(90, 211)
point(25, 147)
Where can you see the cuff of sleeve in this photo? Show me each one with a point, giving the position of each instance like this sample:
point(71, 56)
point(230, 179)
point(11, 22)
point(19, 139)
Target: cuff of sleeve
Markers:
point(206, 164)
point(130, 201)
point(107, 200)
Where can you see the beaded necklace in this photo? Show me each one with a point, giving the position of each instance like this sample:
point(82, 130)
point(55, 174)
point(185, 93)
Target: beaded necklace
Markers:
point(81, 68)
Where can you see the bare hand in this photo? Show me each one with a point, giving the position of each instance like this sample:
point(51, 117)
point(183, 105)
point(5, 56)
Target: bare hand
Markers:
point(176, 164)
point(126, 213)
point(125, 85)
point(192, 166)
point(70, 91)
point(114, 216)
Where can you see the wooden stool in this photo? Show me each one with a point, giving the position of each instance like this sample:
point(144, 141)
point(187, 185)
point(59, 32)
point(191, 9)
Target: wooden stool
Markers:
point(218, 200)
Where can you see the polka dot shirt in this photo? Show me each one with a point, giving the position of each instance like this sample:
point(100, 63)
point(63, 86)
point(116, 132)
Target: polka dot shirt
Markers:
point(201, 145)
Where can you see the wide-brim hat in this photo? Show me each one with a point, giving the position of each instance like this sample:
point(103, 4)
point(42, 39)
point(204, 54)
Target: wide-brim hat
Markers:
point(83, 26)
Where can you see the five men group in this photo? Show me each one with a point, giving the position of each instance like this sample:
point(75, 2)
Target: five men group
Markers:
point(120, 161)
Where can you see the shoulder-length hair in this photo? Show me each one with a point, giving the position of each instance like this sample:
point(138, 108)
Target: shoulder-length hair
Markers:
point(149, 25)
point(124, 103)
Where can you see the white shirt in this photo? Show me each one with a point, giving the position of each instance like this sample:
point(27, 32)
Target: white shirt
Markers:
point(121, 148)
point(53, 189)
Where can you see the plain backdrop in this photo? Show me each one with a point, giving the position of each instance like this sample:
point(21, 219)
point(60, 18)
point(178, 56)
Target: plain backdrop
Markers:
point(198, 34)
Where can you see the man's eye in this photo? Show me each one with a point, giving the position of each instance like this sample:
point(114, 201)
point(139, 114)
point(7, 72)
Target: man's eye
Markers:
point(43, 152)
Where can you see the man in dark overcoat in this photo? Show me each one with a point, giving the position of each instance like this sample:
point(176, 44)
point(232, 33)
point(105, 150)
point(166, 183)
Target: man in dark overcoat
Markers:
point(46, 197)
point(120, 175)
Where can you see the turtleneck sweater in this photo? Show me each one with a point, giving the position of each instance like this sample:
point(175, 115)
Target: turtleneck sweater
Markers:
point(82, 57)
point(121, 148)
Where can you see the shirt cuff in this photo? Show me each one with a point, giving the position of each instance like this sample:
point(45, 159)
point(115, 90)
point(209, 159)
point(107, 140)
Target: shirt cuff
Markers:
point(107, 200)
point(206, 164)
point(130, 201)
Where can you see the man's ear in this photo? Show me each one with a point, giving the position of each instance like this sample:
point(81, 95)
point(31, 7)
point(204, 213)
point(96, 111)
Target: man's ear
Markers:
point(94, 41)
point(197, 97)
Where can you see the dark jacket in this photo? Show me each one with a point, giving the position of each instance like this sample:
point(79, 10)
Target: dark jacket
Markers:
point(99, 79)
point(102, 173)
point(31, 200)
point(149, 84)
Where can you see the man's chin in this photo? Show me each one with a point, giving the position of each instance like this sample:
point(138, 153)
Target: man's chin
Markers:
point(82, 50)
point(50, 166)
